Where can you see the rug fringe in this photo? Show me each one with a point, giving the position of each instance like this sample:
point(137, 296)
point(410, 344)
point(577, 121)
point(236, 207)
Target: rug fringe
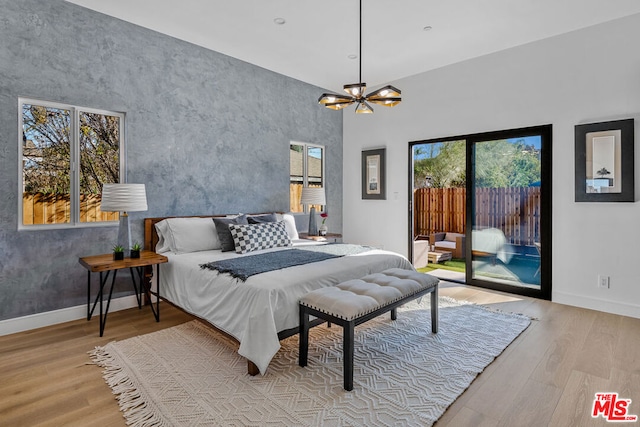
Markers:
point(132, 404)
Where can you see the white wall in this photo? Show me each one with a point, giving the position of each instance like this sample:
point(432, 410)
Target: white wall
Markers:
point(590, 75)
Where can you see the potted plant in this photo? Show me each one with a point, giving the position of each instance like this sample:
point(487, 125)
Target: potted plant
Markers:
point(118, 252)
point(135, 250)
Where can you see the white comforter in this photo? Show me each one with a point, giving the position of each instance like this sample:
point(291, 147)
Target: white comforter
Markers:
point(256, 310)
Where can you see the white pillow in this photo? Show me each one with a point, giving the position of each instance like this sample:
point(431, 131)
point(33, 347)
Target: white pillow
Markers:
point(165, 240)
point(184, 235)
point(290, 224)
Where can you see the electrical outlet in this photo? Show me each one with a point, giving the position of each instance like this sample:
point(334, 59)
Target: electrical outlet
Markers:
point(603, 282)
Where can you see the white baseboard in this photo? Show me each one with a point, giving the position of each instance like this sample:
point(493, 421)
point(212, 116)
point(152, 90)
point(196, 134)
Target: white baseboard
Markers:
point(39, 320)
point(607, 306)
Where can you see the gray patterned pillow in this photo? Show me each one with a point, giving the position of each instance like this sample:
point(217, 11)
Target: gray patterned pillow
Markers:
point(253, 237)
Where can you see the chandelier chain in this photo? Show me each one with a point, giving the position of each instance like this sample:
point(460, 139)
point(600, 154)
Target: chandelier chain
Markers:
point(360, 53)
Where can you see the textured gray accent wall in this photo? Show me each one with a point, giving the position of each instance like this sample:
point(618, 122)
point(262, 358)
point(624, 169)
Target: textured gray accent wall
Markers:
point(205, 132)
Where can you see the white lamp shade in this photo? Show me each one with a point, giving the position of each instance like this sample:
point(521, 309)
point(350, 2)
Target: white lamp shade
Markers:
point(313, 196)
point(123, 198)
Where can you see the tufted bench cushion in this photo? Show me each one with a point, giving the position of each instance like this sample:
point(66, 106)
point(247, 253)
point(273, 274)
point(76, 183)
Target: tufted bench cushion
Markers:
point(355, 298)
point(351, 303)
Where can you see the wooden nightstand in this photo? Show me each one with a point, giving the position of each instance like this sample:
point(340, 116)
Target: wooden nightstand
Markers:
point(329, 238)
point(105, 264)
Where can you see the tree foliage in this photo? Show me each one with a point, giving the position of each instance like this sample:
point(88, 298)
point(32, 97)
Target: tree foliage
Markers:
point(499, 164)
point(99, 151)
point(442, 167)
point(502, 164)
point(47, 150)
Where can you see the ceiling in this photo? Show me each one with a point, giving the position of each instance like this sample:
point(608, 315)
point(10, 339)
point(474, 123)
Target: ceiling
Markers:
point(315, 42)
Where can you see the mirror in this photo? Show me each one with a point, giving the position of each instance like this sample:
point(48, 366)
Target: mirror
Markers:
point(604, 162)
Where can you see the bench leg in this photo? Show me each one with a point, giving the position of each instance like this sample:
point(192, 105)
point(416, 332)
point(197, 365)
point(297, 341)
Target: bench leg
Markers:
point(347, 354)
point(303, 349)
point(434, 310)
point(394, 314)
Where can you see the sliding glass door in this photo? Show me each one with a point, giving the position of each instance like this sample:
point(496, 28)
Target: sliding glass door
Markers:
point(503, 242)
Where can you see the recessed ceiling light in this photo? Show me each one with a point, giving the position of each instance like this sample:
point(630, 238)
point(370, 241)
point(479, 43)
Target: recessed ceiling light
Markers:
point(427, 28)
point(352, 56)
point(279, 21)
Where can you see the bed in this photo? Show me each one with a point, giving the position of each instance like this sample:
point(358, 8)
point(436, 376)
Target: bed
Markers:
point(262, 309)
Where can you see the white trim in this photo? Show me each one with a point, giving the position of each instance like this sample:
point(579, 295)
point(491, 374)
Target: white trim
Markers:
point(598, 304)
point(305, 167)
point(74, 161)
point(39, 320)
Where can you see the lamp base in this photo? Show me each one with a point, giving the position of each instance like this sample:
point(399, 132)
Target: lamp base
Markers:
point(124, 232)
point(313, 225)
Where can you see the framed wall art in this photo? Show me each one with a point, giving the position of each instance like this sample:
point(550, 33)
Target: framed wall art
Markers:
point(604, 162)
point(373, 174)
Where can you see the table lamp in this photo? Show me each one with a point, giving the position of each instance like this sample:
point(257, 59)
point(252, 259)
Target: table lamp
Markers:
point(313, 196)
point(124, 198)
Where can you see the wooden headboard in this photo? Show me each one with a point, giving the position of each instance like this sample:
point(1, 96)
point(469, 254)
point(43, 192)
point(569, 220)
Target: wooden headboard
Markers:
point(151, 235)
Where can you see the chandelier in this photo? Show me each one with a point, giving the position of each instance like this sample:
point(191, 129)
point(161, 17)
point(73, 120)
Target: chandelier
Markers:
point(387, 96)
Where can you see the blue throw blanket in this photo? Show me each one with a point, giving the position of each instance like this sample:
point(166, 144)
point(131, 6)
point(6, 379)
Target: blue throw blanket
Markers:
point(244, 267)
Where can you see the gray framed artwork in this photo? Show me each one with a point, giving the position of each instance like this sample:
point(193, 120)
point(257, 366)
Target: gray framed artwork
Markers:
point(604, 162)
point(373, 174)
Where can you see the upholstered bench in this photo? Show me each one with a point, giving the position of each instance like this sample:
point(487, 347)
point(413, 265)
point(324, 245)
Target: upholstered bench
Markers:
point(356, 301)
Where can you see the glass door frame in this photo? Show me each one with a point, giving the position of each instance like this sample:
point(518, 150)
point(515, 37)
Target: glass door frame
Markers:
point(545, 132)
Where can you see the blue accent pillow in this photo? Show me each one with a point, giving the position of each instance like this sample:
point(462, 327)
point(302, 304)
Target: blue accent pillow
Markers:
point(222, 227)
point(259, 219)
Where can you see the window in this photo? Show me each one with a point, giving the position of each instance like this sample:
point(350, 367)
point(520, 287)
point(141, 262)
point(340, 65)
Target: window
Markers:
point(66, 154)
point(306, 169)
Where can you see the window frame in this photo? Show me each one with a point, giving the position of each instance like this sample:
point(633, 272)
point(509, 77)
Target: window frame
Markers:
point(305, 169)
point(74, 141)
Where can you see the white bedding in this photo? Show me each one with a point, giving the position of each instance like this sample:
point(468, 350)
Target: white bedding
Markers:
point(256, 310)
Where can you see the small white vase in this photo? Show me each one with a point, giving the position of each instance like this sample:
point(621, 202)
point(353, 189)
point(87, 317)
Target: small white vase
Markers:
point(322, 230)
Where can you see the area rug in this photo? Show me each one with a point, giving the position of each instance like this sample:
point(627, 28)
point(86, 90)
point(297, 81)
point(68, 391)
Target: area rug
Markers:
point(189, 375)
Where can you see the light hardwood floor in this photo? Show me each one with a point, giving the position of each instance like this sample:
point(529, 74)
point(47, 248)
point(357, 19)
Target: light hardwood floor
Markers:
point(547, 376)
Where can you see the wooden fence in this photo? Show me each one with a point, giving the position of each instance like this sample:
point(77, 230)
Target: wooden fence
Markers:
point(39, 208)
point(515, 211)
